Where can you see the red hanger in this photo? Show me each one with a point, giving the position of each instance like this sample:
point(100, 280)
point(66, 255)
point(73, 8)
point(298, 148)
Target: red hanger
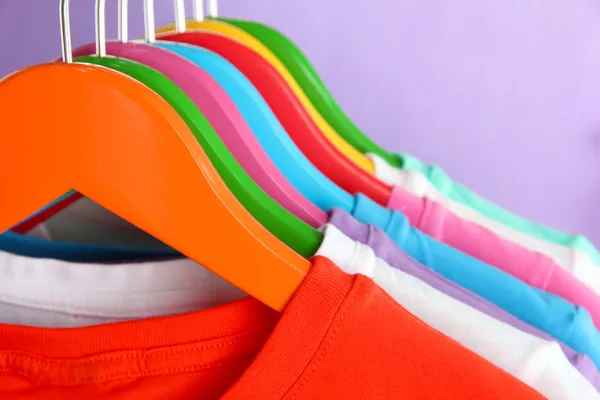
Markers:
point(290, 112)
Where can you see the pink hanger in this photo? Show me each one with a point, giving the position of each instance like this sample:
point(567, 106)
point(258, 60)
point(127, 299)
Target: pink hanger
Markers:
point(223, 115)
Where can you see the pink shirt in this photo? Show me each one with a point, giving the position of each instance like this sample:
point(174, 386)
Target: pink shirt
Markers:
point(531, 267)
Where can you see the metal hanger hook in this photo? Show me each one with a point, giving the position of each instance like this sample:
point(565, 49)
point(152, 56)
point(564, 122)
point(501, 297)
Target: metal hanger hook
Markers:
point(123, 18)
point(198, 10)
point(101, 28)
point(65, 31)
point(179, 15)
point(149, 18)
point(213, 8)
point(149, 21)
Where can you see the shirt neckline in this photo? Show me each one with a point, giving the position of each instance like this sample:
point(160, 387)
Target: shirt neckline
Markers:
point(111, 291)
point(298, 335)
point(290, 339)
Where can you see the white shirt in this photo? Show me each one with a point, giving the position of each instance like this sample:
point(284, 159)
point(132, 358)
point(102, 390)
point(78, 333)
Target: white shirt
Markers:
point(59, 294)
point(538, 363)
point(50, 293)
point(574, 260)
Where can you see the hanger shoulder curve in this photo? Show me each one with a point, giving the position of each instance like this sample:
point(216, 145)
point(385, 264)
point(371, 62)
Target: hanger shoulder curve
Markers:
point(118, 143)
point(193, 93)
point(239, 136)
point(311, 83)
point(219, 27)
point(271, 135)
point(293, 116)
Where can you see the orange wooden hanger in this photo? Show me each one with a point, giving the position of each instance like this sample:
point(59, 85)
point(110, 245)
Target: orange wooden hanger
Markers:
point(74, 126)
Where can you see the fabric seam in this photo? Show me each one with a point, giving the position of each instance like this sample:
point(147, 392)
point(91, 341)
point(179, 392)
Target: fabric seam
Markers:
point(141, 358)
point(335, 325)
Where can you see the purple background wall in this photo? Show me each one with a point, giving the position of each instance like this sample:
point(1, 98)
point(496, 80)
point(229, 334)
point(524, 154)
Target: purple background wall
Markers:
point(504, 94)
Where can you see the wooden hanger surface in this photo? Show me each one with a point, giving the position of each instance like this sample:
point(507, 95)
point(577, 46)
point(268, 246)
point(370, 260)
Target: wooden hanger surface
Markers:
point(313, 86)
point(240, 36)
point(193, 93)
point(224, 114)
point(242, 140)
point(298, 65)
point(97, 131)
point(293, 116)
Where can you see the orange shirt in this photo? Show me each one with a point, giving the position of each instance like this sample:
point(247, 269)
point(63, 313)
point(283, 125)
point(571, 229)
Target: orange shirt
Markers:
point(341, 337)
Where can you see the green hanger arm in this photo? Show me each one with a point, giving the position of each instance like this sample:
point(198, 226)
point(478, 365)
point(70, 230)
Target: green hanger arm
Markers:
point(308, 79)
point(299, 236)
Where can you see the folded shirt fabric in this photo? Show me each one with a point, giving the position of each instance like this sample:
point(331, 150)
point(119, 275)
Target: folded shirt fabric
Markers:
point(531, 267)
point(78, 252)
point(552, 314)
point(534, 361)
point(452, 264)
point(338, 331)
point(561, 320)
point(48, 293)
point(388, 251)
point(55, 293)
point(452, 190)
point(574, 260)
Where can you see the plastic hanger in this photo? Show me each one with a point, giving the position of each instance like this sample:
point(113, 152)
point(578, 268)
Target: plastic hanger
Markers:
point(183, 79)
point(97, 131)
point(290, 112)
point(307, 77)
point(273, 138)
point(234, 33)
point(232, 127)
point(267, 129)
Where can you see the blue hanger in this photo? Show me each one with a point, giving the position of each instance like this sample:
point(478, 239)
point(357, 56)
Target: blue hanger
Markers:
point(301, 173)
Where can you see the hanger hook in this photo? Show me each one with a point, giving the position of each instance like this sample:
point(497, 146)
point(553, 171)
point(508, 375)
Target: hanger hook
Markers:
point(179, 16)
point(198, 10)
point(123, 17)
point(149, 18)
point(213, 10)
point(123, 20)
point(65, 31)
point(101, 28)
point(149, 21)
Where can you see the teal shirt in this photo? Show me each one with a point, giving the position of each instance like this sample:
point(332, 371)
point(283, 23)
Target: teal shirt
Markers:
point(458, 192)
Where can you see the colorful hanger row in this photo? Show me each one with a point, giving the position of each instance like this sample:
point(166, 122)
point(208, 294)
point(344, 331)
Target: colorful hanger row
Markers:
point(261, 115)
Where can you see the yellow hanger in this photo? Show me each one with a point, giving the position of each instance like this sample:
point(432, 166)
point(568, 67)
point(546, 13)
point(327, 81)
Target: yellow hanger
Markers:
point(222, 28)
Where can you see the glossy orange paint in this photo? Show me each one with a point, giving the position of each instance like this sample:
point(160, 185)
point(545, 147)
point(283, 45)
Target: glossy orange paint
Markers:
point(84, 127)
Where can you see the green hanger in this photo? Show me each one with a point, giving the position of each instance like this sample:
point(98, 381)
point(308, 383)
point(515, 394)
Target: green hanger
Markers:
point(299, 236)
point(308, 79)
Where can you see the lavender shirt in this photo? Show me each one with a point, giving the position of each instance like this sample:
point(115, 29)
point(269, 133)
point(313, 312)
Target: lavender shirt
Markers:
point(385, 248)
